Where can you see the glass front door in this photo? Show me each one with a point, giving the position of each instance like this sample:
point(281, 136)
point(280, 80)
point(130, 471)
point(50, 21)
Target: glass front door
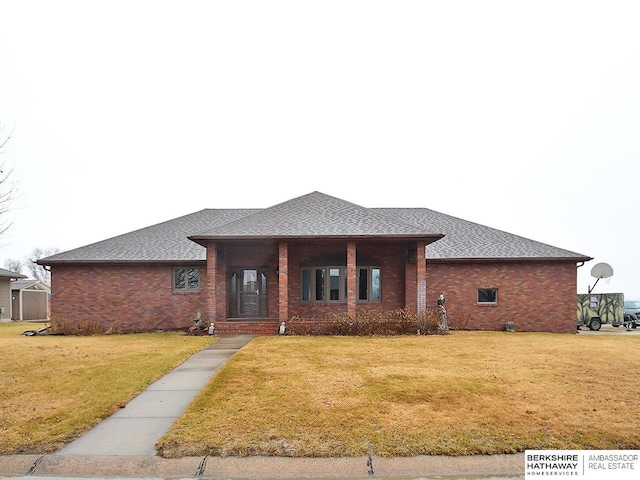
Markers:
point(248, 293)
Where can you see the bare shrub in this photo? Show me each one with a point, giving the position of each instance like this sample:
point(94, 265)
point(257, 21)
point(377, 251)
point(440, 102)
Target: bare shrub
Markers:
point(83, 327)
point(428, 322)
point(401, 321)
point(460, 324)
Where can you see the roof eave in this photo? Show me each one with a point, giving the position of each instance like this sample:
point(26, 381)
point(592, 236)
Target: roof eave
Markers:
point(204, 239)
point(181, 261)
point(17, 276)
point(509, 259)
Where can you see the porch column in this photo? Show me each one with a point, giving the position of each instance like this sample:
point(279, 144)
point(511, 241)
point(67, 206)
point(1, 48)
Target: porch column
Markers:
point(415, 278)
point(351, 278)
point(211, 298)
point(421, 278)
point(283, 281)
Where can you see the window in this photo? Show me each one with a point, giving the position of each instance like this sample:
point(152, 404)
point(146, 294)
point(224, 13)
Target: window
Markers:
point(306, 285)
point(488, 295)
point(186, 279)
point(363, 284)
point(369, 284)
point(329, 284)
point(334, 284)
point(321, 284)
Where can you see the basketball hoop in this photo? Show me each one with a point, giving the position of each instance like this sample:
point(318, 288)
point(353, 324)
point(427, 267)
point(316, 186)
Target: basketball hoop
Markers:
point(601, 270)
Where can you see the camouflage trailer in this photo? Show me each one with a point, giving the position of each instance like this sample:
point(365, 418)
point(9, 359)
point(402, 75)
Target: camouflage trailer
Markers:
point(596, 309)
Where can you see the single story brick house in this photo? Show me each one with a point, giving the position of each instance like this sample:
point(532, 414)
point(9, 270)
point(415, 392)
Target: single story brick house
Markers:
point(309, 257)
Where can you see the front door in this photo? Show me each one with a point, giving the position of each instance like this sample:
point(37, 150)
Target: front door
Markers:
point(248, 293)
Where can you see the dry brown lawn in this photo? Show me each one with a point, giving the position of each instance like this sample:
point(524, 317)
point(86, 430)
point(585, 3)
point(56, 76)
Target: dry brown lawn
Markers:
point(53, 388)
point(465, 393)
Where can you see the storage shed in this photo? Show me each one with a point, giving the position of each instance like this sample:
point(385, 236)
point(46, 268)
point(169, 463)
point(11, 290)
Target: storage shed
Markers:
point(30, 300)
point(6, 277)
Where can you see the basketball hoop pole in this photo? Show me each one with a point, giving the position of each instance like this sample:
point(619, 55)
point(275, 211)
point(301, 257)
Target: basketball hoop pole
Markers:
point(590, 289)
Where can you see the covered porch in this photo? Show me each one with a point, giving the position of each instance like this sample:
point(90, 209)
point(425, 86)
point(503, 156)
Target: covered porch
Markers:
point(253, 285)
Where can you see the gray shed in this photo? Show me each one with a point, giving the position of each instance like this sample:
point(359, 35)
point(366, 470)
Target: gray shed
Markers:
point(30, 300)
point(6, 277)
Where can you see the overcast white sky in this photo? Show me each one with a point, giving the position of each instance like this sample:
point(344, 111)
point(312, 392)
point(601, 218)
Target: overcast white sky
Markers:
point(523, 116)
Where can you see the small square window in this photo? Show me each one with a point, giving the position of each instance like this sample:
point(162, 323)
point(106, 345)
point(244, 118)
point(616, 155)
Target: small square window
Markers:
point(487, 295)
point(186, 279)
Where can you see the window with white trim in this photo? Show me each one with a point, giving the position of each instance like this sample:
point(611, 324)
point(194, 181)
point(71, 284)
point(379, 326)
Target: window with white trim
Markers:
point(488, 296)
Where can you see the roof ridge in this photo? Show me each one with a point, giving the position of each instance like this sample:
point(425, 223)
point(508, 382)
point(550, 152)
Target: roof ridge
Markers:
point(311, 215)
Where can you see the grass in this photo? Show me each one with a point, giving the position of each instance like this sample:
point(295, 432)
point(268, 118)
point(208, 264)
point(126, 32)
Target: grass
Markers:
point(54, 388)
point(465, 393)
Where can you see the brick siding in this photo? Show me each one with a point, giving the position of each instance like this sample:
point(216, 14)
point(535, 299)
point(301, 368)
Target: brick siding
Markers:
point(535, 296)
point(135, 297)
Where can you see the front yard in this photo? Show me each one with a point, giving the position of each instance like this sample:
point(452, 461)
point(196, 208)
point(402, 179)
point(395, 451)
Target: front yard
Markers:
point(465, 393)
point(459, 394)
point(54, 388)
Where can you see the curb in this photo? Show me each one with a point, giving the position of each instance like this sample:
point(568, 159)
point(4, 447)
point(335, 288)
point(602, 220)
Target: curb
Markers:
point(80, 466)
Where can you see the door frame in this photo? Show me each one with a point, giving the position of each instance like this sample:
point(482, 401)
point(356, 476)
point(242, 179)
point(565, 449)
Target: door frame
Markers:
point(238, 302)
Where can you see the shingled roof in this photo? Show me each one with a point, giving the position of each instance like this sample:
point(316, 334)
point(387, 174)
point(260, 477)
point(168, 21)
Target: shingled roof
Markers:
point(165, 242)
point(315, 215)
point(9, 274)
point(466, 240)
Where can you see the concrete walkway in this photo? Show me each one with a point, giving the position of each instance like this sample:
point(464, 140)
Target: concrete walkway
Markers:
point(135, 429)
point(123, 445)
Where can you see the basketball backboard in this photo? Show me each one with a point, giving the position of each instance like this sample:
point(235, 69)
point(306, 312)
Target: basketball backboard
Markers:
point(600, 270)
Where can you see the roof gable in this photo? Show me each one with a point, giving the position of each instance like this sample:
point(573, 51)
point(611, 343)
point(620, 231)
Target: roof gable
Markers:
point(30, 284)
point(316, 215)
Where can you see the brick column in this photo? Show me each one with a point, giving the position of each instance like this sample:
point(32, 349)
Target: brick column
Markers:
point(351, 278)
point(415, 277)
point(283, 281)
point(211, 297)
point(410, 279)
point(421, 278)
